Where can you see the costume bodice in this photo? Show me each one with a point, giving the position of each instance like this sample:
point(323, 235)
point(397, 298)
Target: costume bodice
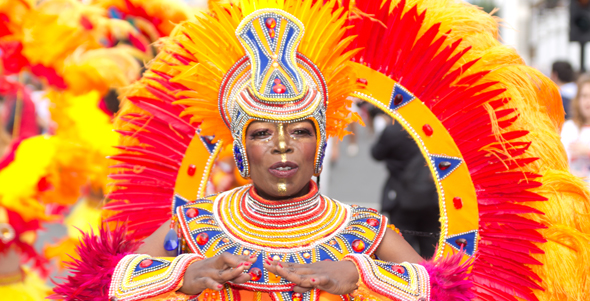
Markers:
point(303, 230)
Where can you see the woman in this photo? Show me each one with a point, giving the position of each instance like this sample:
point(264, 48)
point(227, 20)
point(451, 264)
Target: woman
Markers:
point(575, 134)
point(272, 79)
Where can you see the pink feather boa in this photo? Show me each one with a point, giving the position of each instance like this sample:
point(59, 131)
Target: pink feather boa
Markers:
point(449, 278)
point(92, 273)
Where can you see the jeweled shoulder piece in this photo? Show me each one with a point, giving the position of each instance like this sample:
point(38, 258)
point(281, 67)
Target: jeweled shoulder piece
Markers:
point(270, 38)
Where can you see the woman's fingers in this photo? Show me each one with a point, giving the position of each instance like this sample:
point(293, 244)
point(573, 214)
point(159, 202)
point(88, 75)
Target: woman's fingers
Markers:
point(224, 276)
point(228, 260)
point(211, 284)
point(301, 290)
point(243, 278)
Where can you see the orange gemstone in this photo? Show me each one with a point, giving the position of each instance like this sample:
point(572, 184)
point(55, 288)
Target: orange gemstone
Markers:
point(358, 245)
point(255, 274)
point(192, 213)
point(202, 239)
point(225, 239)
point(145, 263)
point(276, 258)
point(296, 297)
point(372, 222)
point(332, 242)
point(246, 252)
point(306, 255)
point(270, 23)
point(271, 33)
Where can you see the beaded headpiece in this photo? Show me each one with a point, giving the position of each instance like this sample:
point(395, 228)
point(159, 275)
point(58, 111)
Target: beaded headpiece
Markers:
point(273, 82)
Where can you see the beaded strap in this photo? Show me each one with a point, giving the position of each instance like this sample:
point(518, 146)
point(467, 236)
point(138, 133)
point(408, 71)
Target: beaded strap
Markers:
point(141, 277)
point(380, 280)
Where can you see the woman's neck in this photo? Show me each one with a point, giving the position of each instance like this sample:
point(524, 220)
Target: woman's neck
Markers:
point(305, 190)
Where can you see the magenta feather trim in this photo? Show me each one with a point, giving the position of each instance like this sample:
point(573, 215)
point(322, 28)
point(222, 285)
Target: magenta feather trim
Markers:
point(91, 274)
point(449, 278)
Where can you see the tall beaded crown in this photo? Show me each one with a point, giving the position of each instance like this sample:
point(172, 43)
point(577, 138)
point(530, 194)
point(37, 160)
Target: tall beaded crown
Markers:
point(273, 82)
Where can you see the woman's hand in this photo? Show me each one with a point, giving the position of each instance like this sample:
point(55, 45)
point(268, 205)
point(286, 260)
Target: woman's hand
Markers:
point(212, 273)
point(334, 277)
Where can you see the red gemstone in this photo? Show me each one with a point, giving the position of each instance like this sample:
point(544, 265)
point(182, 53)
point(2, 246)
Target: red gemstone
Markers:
point(271, 33)
point(86, 23)
point(427, 130)
point(398, 99)
point(444, 165)
point(279, 89)
point(145, 263)
point(191, 170)
point(202, 238)
point(296, 297)
point(358, 245)
point(461, 242)
point(270, 23)
point(398, 269)
point(458, 202)
point(255, 274)
point(372, 222)
point(362, 81)
point(192, 213)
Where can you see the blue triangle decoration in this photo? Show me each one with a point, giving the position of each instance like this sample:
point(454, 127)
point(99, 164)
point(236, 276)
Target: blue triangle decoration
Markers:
point(466, 240)
point(400, 97)
point(208, 144)
point(306, 260)
point(325, 254)
point(177, 201)
point(444, 165)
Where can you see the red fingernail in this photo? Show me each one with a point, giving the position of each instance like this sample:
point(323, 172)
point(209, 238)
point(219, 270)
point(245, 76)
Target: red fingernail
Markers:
point(269, 258)
point(241, 264)
point(252, 256)
point(267, 262)
point(219, 286)
point(247, 264)
point(312, 279)
point(280, 265)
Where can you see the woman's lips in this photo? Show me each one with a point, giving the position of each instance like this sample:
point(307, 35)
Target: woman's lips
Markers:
point(283, 169)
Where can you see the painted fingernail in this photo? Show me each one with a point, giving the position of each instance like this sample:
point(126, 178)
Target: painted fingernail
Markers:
point(219, 286)
point(252, 256)
point(312, 279)
point(269, 257)
point(267, 262)
point(247, 264)
point(280, 265)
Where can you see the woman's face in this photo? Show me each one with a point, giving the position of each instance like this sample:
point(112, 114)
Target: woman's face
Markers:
point(585, 101)
point(281, 157)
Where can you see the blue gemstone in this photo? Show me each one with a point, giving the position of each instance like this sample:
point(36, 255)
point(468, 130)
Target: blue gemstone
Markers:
point(171, 241)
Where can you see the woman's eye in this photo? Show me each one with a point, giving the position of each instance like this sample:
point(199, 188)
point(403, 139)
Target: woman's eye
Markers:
point(302, 132)
point(260, 134)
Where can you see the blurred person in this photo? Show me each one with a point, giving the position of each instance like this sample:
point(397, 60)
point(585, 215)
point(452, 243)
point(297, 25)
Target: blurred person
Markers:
point(575, 134)
point(564, 76)
point(409, 195)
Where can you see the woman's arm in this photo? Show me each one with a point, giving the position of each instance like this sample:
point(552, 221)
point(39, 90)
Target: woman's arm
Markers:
point(153, 245)
point(394, 248)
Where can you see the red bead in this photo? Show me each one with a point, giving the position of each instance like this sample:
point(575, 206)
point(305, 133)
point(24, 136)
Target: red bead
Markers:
point(398, 99)
point(427, 130)
point(270, 23)
point(373, 222)
point(444, 165)
point(458, 202)
point(202, 238)
point(461, 242)
point(296, 297)
point(398, 269)
point(362, 81)
point(255, 274)
point(191, 170)
point(145, 263)
point(192, 213)
point(271, 33)
point(279, 89)
point(358, 245)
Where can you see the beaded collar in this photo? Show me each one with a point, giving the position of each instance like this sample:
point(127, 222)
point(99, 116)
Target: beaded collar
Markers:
point(303, 230)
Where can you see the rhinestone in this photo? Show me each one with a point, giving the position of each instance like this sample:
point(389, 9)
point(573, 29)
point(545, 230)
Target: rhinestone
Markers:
point(362, 81)
point(398, 269)
point(225, 239)
point(296, 297)
point(444, 165)
point(191, 170)
point(358, 245)
point(373, 222)
point(145, 263)
point(255, 274)
point(333, 242)
point(458, 202)
point(271, 33)
point(246, 252)
point(398, 99)
point(202, 238)
point(306, 255)
point(192, 213)
point(270, 23)
point(461, 242)
point(276, 258)
point(427, 130)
